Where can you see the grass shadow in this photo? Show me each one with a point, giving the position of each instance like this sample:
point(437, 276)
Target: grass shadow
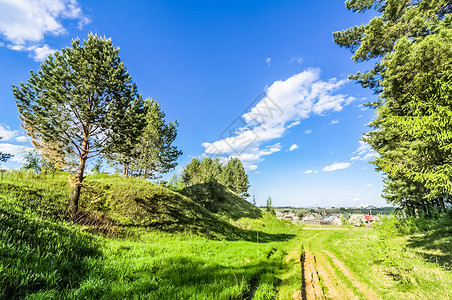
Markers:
point(171, 218)
point(436, 244)
point(39, 255)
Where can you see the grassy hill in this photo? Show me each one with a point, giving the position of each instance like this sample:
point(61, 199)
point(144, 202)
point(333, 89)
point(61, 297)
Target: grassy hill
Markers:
point(114, 205)
point(171, 247)
point(218, 199)
point(161, 244)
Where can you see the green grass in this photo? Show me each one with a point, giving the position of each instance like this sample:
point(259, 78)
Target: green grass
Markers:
point(163, 245)
point(387, 265)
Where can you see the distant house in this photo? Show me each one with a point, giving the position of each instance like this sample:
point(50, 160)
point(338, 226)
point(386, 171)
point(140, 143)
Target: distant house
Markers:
point(368, 220)
point(289, 216)
point(336, 221)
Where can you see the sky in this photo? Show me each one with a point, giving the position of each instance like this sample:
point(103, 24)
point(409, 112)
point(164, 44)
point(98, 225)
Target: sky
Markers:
point(258, 80)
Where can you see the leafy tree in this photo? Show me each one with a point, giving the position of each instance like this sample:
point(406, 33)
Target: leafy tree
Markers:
point(254, 200)
point(398, 19)
point(155, 152)
point(4, 156)
point(80, 100)
point(235, 178)
point(410, 43)
point(232, 175)
point(210, 169)
point(269, 207)
point(98, 166)
point(175, 183)
point(33, 161)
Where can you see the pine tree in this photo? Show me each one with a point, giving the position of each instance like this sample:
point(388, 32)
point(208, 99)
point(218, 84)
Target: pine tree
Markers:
point(235, 178)
point(192, 174)
point(411, 42)
point(155, 152)
point(81, 99)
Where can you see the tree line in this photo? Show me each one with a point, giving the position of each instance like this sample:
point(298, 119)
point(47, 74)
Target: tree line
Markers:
point(411, 45)
point(231, 175)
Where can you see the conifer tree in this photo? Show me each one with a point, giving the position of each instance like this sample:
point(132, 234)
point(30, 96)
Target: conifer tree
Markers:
point(80, 99)
point(410, 42)
point(155, 152)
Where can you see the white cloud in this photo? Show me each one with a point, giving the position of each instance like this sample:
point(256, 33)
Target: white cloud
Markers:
point(23, 139)
point(15, 150)
point(310, 171)
point(308, 131)
point(25, 23)
point(354, 195)
point(364, 152)
point(41, 53)
point(336, 166)
point(369, 185)
point(334, 122)
point(293, 124)
point(284, 104)
point(7, 133)
point(293, 147)
point(296, 59)
point(268, 60)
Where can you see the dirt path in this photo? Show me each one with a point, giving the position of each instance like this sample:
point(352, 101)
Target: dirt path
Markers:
point(321, 280)
point(325, 228)
point(353, 279)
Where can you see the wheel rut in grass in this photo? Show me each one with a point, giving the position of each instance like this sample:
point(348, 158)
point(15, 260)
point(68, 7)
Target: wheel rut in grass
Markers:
point(353, 279)
point(321, 280)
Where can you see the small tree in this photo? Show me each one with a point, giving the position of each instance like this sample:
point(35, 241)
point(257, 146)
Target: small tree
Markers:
point(175, 183)
point(154, 150)
point(235, 178)
point(83, 100)
point(33, 161)
point(98, 166)
point(254, 200)
point(269, 207)
point(4, 156)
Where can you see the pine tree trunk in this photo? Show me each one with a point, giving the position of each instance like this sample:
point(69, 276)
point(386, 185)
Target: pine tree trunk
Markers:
point(73, 201)
point(75, 196)
point(125, 170)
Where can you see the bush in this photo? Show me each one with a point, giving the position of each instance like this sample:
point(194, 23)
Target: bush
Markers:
point(356, 220)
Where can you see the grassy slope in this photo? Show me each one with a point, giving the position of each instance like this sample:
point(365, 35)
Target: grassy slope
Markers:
point(123, 205)
point(390, 266)
point(179, 250)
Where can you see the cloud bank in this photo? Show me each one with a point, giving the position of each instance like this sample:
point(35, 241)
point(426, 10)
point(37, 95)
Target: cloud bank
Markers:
point(25, 23)
point(283, 105)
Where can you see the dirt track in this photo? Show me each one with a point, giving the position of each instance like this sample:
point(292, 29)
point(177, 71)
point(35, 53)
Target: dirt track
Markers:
point(323, 278)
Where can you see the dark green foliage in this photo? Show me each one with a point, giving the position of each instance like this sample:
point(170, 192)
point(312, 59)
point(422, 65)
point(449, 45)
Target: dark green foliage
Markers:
point(4, 156)
point(156, 154)
point(412, 42)
point(232, 175)
point(82, 100)
point(32, 161)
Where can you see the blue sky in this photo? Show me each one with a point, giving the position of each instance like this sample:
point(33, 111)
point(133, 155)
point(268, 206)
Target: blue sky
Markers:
point(260, 80)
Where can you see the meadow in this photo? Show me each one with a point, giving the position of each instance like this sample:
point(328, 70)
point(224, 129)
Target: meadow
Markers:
point(138, 240)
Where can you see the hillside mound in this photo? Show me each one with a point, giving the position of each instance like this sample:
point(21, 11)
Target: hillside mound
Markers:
point(220, 200)
point(124, 204)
